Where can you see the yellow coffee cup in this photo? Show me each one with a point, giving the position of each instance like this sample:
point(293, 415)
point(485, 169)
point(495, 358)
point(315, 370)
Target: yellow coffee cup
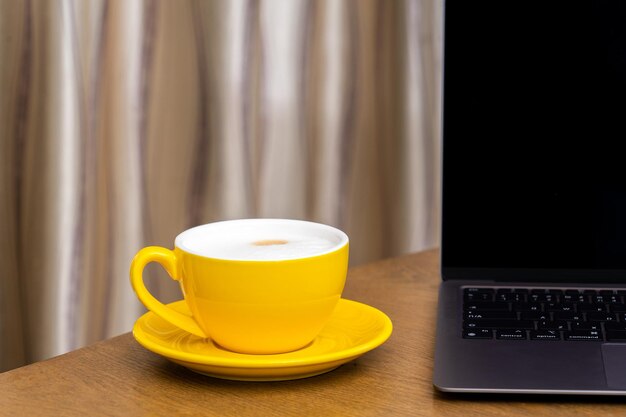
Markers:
point(256, 286)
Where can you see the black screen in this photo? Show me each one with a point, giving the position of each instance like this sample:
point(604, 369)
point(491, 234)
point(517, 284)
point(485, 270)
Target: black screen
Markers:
point(534, 122)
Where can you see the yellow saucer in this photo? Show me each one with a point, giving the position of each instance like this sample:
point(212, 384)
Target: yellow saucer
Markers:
point(353, 330)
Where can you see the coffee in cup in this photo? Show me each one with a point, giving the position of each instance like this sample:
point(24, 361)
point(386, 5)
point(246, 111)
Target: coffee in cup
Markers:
point(257, 286)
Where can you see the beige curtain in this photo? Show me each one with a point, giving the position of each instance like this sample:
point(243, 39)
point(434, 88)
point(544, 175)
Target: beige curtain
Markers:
point(123, 123)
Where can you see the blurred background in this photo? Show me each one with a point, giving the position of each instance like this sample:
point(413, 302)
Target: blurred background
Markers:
point(122, 123)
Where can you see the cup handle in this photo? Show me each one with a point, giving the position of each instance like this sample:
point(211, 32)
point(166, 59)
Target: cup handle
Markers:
point(167, 259)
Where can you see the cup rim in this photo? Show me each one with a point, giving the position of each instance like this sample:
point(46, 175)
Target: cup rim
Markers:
point(343, 239)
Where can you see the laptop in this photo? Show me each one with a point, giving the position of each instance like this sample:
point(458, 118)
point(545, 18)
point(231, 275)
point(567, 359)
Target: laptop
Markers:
point(533, 245)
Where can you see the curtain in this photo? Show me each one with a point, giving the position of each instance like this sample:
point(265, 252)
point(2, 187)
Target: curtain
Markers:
point(122, 123)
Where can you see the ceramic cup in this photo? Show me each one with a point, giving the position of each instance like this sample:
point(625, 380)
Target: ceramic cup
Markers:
point(256, 286)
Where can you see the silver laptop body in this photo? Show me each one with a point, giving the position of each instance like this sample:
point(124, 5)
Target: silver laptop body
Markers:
point(533, 246)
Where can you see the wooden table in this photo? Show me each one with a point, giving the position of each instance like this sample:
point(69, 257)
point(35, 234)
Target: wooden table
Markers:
point(119, 377)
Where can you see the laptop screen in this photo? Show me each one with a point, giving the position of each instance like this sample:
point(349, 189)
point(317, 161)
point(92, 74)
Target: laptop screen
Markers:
point(534, 122)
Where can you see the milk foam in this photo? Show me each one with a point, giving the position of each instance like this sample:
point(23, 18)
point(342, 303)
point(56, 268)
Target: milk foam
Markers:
point(261, 239)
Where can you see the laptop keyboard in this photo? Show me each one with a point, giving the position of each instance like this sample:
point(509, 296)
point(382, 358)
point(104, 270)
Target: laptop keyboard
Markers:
point(544, 314)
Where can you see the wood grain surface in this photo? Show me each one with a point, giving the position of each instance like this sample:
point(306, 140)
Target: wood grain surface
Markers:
point(119, 377)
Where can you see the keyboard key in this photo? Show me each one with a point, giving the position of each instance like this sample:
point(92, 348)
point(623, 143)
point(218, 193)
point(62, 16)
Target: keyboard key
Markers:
point(500, 315)
point(484, 305)
point(543, 298)
point(583, 335)
point(498, 324)
point(552, 325)
point(568, 315)
point(586, 325)
point(560, 307)
point(615, 299)
point(510, 296)
point(579, 298)
point(616, 336)
point(527, 307)
point(617, 308)
point(615, 326)
point(589, 307)
point(596, 316)
point(590, 292)
point(600, 299)
point(606, 292)
point(545, 335)
point(548, 298)
point(478, 334)
point(511, 334)
point(478, 296)
point(534, 315)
